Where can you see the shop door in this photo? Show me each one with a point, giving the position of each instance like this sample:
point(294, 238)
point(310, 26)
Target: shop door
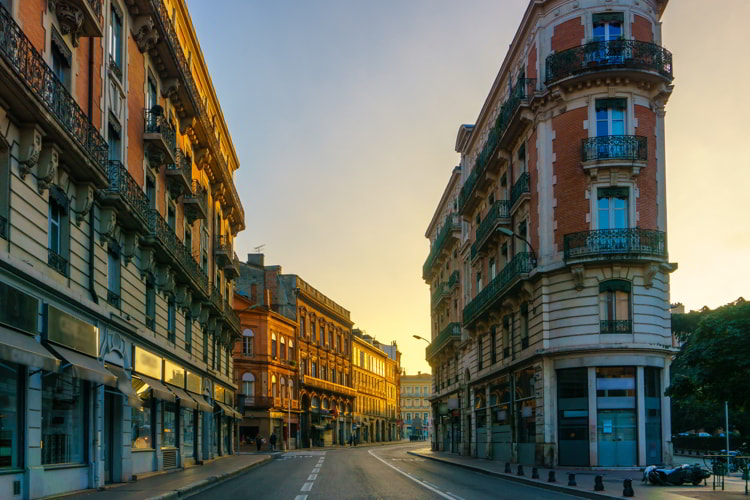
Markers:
point(109, 444)
point(617, 436)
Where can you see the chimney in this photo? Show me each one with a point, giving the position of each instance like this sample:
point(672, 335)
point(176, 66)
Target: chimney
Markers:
point(267, 302)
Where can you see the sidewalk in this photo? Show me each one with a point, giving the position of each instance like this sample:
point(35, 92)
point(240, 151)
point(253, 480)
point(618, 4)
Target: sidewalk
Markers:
point(734, 486)
point(177, 484)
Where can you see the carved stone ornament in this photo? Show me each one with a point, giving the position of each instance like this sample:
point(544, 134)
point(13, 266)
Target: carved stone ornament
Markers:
point(203, 319)
point(129, 246)
point(578, 276)
point(165, 278)
point(49, 160)
point(203, 158)
point(30, 149)
point(145, 34)
point(113, 342)
point(169, 86)
point(211, 323)
point(207, 388)
point(187, 124)
point(649, 273)
point(147, 263)
point(70, 18)
point(84, 201)
point(182, 296)
point(107, 224)
point(195, 309)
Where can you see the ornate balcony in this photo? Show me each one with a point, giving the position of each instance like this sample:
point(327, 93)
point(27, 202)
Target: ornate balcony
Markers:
point(126, 196)
point(616, 326)
point(520, 188)
point(194, 203)
point(57, 262)
point(328, 386)
point(27, 79)
point(498, 215)
point(615, 244)
point(514, 272)
point(450, 333)
point(255, 401)
point(216, 301)
point(223, 250)
point(79, 17)
point(232, 268)
point(621, 151)
point(232, 319)
point(443, 290)
point(448, 233)
point(159, 137)
point(180, 174)
point(611, 55)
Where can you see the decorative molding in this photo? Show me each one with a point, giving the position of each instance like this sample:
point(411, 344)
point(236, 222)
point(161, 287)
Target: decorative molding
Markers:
point(183, 297)
point(578, 276)
point(113, 342)
point(49, 159)
point(84, 201)
point(195, 308)
point(147, 262)
point(30, 149)
point(70, 18)
point(203, 319)
point(129, 246)
point(203, 158)
point(107, 224)
point(648, 274)
point(165, 278)
point(169, 87)
point(145, 34)
point(187, 124)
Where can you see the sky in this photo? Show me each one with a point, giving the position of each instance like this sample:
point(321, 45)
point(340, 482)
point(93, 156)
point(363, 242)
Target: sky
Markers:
point(344, 115)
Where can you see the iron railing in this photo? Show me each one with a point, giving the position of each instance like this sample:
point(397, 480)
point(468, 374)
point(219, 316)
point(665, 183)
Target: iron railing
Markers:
point(499, 210)
point(123, 184)
point(223, 244)
point(182, 167)
point(232, 318)
point(216, 299)
point(156, 123)
point(615, 326)
point(609, 54)
point(450, 332)
point(113, 299)
point(614, 147)
point(20, 54)
point(57, 262)
point(115, 68)
point(520, 187)
point(3, 227)
point(195, 202)
point(450, 224)
point(443, 289)
point(603, 242)
point(522, 263)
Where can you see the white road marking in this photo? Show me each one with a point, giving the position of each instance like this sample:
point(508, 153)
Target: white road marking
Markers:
point(455, 496)
point(312, 477)
point(421, 483)
point(300, 497)
point(307, 486)
point(316, 470)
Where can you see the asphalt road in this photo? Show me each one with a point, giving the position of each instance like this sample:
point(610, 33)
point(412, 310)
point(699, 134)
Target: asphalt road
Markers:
point(385, 472)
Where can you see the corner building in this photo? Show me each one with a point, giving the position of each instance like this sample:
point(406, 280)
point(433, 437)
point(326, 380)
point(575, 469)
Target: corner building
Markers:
point(562, 349)
point(118, 213)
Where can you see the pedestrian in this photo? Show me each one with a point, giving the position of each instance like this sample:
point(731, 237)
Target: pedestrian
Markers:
point(351, 440)
point(258, 441)
point(272, 440)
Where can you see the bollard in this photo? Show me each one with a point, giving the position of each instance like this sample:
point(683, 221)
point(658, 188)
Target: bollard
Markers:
point(627, 488)
point(572, 480)
point(534, 473)
point(551, 478)
point(598, 483)
point(520, 470)
point(507, 467)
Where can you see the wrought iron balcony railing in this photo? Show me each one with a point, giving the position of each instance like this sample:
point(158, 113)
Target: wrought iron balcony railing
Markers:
point(180, 174)
point(449, 333)
point(500, 211)
point(614, 243)
point(450, 224)
point(216, 299)
point(522, 263)
point(160, 135)
point(125, 192)
point(521, 187)
point(57, 262)
point(615, 326)
point(256, 401)
point(29, 65)
point(232, 318)
point(194, 202)
point(3, 227)
point(443, 289)
point(614, 147)
point(628, 54)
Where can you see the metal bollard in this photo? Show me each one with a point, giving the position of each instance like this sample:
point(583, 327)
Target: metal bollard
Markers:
point(519, 472)
point(627, 488)
point(534, 473)
point(572, 480)
point(598, 483)
point(551, 478)
point(507, 467)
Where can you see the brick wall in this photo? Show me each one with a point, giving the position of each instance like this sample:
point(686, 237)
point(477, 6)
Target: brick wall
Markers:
point(531, 63)
point(568, 34)
point(646, 180)
point(641, 29)
point(30, 14)
point(136, 104)
point(532, 154)
point(569, 190)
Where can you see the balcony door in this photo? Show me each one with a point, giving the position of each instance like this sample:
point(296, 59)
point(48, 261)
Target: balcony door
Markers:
point(612, 208)
point(608, 30)
point(610, 127)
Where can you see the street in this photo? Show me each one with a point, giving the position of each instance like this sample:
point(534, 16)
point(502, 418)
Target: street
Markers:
point(386, 472)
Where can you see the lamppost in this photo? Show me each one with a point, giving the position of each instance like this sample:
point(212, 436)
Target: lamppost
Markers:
point(510, 233)
point(420, 338)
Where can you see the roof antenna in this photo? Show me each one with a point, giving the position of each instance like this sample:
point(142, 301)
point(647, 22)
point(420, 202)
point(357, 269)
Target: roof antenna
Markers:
point(259, 248)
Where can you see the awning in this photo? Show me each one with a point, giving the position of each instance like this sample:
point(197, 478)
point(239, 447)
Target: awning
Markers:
point(158, 389)
point(229, 412)
point(185, 400)
point(20, 348)
point(202, 405)
point(125, 386)
point(85, 367)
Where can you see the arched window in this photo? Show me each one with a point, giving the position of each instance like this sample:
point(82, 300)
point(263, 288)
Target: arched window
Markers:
point(273, 345)
point(282, 351)
point(248, 384)
point(291, 350)
point(273, 386)
point(247, 342)
point(315, 402)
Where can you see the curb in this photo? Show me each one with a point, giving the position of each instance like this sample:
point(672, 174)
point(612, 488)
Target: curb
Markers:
point(529, 482)
point(198, 486)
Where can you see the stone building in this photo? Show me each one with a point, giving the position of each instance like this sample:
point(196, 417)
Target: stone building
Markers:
point(416, 406)
point(372, 414)
point(561, 346)
point(118, 213)
point(392, 389)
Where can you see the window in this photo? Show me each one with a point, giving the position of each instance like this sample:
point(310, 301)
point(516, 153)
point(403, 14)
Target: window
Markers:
point(188, 431)
point(322, 338)
point(115, 42)
point(113, 274)
point(612, 211)
point(150, 304)
point(507, 334)
point(493, 347)
point(313, 331)
point(614, 306)
point(492, 269)
point(171, 321)
point(314, 369)
point(205, 346)
point(607, 26)
point(479, 282)
point(114, 140)
point(11, 409)
point(283, 393)
point(247, 342)
point(480, 351)
point(282, 350)
point(227, 359)
point(290, 347)
point(57, 236)
point(408, 418)
point(610, 117)
point(140, 420)
point(273, 345)
point(522, 230)
point(333, 376)
point(248, 384)
point(188, 333)
point(302, 326)
point(273, 386)
point(169, 425)
point(171, 217)
point(61, 59)
point(330, 338)
point(524, 325)
point(63, 419)
point(151, 192)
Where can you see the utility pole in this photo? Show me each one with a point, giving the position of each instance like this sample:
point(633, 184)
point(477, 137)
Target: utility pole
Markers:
point(726, 423)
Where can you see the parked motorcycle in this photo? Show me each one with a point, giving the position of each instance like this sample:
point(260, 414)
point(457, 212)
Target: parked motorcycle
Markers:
point(675, 477)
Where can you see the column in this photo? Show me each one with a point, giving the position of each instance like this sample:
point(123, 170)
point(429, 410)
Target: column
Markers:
point(666, 414)
point(488, 422)
point(593, 441)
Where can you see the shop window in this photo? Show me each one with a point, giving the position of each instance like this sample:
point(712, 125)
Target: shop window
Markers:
point(616, 416)
point(187, 417)
point(141, 428)
point(12, 410)
point(525, 406)
point(652, 386)
point(614, 307)
point(573, 415)
point(169, 425)
point(63, 419)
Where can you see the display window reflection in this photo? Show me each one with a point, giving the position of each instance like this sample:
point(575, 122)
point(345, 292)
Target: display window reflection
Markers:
point(63, 417)
point(11, 414)
point(169, 426)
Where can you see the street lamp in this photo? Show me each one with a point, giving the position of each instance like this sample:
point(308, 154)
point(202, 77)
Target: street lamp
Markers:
point(510, 233)
point(420, 338)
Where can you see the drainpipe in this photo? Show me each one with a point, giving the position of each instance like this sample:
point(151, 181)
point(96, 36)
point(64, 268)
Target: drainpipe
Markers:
point(92, 242)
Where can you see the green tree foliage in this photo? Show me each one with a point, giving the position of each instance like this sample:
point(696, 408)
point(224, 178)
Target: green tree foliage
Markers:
point(713, 366)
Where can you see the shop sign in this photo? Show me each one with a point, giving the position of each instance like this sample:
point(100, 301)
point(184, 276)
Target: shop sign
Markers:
point(174, 374)
point(194, 383)
point(69, 331)
point(18, 309)
point(146, 363)
point(456, 413)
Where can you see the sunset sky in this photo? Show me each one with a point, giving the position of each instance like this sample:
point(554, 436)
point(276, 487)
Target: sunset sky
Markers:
point(344, 115)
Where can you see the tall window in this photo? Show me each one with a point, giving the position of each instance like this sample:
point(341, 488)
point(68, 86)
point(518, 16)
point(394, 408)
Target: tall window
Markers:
point(330, 338)
point(480, 352)
point(493, 269)
point(114, 140)
point(169, 425)
point(614, 306)
point(115, 42)
point(205, 346)
point(333, 376)
point(151, 192)
point(607, 27)
point(11, 409)
point(610, 117)
point(524, 325)
point(290, 347)
point(282, 350)
point(61, 59)
point(493, 346)
point(247, 342)
point(141, 430)
point(150, 304)
point(171, 321)
point(302, 326)
point(314, 369)
point(57, 231)
point(273, 386)
point(188, 333)
point(507, 334)
point(313, 331)
point(273, 345)
point(612, 208)
point(63, 419)
point(479, 282)
point(171, 217)
point(283, 388)
point(248, 384)
point(322, 332)
point(113, 274)
point(188, 431)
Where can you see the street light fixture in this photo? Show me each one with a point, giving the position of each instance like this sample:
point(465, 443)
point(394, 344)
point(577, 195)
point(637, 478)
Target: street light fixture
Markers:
point(420, 338)
point(509, 233)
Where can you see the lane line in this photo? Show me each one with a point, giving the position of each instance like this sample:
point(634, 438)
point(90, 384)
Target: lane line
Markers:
point(306, 486)
point(312, 477)
point(316, 470)
point(455, 496)
point(421, 483)
point(300, 497)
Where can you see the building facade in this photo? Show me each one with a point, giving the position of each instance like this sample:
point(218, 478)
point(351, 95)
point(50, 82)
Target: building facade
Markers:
point(562, 351)
point(371, 417)
point(117, 216)
point(392, 390)
point(416, 406)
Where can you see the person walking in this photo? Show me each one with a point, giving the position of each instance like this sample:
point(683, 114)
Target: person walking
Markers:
point(258, 441)
point(272, 440)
